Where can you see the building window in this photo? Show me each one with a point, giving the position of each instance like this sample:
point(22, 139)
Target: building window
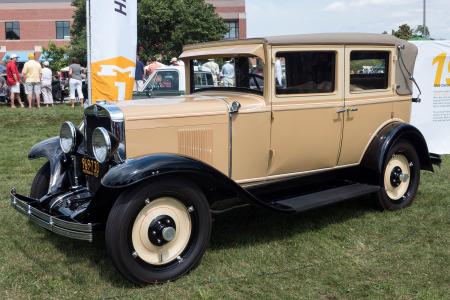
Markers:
point(306, 72)
point(62, 29)
point(12, 30)
point(369, 70)
point(233, 30)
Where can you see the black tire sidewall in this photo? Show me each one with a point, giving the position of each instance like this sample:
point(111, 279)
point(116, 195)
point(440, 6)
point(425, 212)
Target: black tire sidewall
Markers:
point(407, 149)
point(41, 182)
point(121, 220)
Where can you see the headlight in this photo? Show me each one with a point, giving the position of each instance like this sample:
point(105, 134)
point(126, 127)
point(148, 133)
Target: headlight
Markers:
point(104, 144)
point(69, 137)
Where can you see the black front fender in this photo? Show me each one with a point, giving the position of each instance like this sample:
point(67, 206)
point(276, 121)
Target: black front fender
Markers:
point(51, 150)
point(375, 155)
point(157, 166)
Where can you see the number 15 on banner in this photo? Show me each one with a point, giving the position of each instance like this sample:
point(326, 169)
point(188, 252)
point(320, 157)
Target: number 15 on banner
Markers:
point(441, 61)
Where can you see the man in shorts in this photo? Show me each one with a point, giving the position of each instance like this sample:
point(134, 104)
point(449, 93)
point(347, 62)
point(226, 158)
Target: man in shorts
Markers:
point(32, 74)
point(13, 80)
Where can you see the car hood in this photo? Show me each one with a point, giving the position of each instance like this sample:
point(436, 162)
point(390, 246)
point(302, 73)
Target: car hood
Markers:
point(183, 106)
point(155, 108)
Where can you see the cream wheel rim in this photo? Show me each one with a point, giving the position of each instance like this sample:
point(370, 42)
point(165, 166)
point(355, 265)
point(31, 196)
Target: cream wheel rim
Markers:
point(397, 177)
point(160, 255)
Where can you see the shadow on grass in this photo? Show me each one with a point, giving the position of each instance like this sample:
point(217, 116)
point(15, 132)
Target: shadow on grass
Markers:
point(239, 228)
point(253, 225)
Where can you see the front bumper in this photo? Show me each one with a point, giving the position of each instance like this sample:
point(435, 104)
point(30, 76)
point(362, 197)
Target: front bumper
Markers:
point(65, 228)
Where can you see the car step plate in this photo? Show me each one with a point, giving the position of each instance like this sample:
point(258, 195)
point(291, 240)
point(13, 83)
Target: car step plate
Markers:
point(322, 198)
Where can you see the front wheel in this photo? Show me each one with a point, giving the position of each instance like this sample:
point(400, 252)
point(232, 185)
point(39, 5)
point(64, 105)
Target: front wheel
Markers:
point(158, 232)
point(400, 177)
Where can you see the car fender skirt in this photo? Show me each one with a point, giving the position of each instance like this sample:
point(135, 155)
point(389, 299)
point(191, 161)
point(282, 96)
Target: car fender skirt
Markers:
point(375, 155)
point(51, 150)
point(156, 166)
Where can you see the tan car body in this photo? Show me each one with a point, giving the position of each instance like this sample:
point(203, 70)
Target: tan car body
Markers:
point(272, 136)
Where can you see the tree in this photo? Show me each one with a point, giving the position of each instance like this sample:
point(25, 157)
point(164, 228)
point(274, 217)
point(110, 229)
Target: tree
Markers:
point(404, 32)
point(78, 43)
point(420, 30)
point(163, 26)
point(57, 56)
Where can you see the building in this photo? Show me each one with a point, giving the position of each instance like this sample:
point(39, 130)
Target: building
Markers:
point(29, 25)
point(233, 12)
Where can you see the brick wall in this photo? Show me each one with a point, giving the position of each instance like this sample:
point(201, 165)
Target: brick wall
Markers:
point(37, 24)
point(232, 10)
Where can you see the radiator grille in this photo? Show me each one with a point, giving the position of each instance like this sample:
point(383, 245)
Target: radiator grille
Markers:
point(196, 143)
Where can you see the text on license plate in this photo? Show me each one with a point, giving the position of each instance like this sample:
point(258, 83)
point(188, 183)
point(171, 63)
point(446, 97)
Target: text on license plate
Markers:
point(90, 167)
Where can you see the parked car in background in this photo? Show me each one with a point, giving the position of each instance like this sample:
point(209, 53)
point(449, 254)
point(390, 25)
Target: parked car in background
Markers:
point(153, 173)
point(171, 81)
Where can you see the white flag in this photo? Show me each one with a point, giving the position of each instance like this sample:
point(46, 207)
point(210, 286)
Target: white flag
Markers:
point(113, 28)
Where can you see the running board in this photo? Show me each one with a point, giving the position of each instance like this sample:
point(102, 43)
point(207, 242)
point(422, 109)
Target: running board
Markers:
point(326, 197)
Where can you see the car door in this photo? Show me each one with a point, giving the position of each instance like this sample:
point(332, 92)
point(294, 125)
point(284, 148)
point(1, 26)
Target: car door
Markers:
point(307, 108)
point(369, 97)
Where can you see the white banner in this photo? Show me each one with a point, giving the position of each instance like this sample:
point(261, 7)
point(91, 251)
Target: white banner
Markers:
point(113, 25)
point(432, 115)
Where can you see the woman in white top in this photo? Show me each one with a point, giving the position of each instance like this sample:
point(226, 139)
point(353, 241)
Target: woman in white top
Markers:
point(46, 84)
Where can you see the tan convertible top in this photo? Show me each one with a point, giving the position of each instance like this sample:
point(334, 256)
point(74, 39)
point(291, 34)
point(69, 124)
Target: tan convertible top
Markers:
point(250, 47)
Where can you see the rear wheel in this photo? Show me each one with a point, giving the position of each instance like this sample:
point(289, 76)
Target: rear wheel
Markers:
point(41, 182)
point(158, 232)
point(400, 177)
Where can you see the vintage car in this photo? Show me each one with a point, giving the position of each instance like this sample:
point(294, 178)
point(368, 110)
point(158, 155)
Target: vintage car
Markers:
point(295, 126)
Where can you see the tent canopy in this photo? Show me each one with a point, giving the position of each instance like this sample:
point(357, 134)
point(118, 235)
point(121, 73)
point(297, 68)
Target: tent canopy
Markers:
point(23, 56)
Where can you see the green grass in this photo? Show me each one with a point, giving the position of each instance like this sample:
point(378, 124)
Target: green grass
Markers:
point(346, 251)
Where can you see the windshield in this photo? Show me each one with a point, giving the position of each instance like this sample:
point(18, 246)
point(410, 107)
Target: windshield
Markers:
point(233, 73)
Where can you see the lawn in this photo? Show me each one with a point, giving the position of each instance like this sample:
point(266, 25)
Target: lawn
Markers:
point(345, 251)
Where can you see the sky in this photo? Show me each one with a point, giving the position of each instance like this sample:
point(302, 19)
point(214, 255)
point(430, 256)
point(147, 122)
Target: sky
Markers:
point(278, 17)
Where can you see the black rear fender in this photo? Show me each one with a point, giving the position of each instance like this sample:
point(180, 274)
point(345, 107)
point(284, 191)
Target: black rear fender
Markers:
point(375, 155)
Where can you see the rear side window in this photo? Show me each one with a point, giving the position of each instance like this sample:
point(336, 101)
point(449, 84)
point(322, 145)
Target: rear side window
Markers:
point(306, 72)
point(369, 70)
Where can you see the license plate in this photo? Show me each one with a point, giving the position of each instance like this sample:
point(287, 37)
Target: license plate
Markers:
point(90, 167)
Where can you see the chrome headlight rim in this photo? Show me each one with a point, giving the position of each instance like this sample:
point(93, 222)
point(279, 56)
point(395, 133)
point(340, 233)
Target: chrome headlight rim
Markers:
point(105, 136)
point(68, 127)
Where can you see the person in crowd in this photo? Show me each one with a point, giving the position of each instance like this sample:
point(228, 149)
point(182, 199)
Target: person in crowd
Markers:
point(13, 80)
point(46, 84)
point(76, 82)
point(146, 69)
point(214, 68)
point(139, 74)
point(174, 62)
point(227, 74)
point(154, 64)
point(278, 72)
point(2, 68)
point(32, 75)
point(3, 88)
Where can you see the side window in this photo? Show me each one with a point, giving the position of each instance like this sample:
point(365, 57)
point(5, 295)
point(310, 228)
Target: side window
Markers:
point(369, 70)
point(306, 72)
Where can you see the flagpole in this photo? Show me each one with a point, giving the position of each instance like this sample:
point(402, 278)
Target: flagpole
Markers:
point(88, 36)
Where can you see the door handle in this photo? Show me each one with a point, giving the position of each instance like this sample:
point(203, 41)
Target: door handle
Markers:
point(341, 110)
point(352, 109)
